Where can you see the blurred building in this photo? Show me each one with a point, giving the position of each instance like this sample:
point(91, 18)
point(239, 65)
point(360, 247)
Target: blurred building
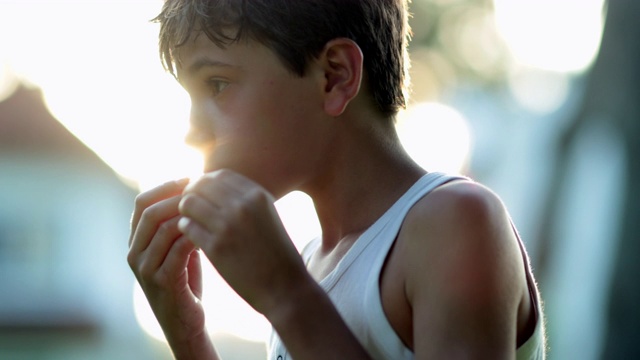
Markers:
point(64, 214)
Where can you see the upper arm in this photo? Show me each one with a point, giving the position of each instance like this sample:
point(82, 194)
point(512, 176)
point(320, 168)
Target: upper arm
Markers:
point(464, 275)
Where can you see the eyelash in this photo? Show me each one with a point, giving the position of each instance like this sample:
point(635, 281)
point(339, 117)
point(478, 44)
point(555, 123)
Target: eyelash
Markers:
point(216, 86)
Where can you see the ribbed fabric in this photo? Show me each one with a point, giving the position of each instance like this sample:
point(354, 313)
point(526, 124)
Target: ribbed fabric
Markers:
point(353, 285)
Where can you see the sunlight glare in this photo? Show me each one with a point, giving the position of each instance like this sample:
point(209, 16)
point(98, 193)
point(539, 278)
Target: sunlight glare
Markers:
point(299, 218)
point(226, 311)
point(144, 314)
point(436, 136)
point(105, 83)
point(561, 36)
point(8, 80)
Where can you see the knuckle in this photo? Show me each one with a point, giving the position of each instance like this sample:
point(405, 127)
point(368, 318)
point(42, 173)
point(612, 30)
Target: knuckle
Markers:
point(181, 244)
point(240, 209)
point(151, 214)
point(165, 229)
point(146, 271)
point(132, 260)
point(257, 196)
point(160, 277)
point(207, 241)
point(223, 173)
point(206, 179)
point(187, 203)
point(142, 201)
point(249, 205)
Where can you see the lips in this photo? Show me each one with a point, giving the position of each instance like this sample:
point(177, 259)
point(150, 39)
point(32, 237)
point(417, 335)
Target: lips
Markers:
point(199, 138)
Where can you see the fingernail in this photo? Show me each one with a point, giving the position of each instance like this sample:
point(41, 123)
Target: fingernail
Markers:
point(182, 182)
point(183, 223)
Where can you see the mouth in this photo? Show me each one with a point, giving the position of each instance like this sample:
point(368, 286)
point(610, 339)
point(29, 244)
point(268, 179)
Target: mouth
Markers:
point(198, 138)
point(204, 144)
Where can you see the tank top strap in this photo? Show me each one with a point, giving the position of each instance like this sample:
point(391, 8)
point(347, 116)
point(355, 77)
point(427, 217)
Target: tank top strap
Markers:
point(391, 219)
point(389, 345)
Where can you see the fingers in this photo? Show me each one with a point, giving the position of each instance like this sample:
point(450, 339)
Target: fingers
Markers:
point(196, 207)
point(224, 184)
point(151, 197)
point(178, 257)
point(200, 236)
point(222, 193)
point(153, 219)
point(161, 242)
point(154, 229)
point(194, 270)
point(233, 220)
point(163, 269)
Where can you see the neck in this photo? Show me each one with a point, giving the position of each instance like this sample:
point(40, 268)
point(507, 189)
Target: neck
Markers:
point(367, 172)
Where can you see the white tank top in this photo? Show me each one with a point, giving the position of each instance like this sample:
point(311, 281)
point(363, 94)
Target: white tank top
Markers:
point(353, 285)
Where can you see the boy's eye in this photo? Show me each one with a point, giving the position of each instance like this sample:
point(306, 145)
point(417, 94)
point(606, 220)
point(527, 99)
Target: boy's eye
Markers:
point(216, 86)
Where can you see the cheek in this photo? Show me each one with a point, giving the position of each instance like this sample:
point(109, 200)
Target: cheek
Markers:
point(267, 116)
point(244, 138)
point(267, 132)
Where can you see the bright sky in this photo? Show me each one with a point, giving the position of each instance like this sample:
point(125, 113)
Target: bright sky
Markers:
point(97, 63)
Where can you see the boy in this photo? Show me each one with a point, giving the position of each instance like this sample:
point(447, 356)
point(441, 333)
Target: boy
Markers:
point(301, 95)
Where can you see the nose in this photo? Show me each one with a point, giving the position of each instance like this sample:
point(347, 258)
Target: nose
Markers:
point(200, 134)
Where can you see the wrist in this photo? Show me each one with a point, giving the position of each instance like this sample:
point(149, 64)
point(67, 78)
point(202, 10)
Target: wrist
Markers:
point(193, 347)
point(293, 304)
point(311, 327)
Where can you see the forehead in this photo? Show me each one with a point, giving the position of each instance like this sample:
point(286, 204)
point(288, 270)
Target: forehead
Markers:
point(199, 45)
point(200, 52)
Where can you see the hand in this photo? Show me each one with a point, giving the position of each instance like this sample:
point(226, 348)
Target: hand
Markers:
point(234, 221)
point(167, 265)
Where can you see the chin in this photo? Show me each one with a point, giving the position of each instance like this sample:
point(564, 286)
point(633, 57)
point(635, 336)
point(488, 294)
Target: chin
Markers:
point(210, 166)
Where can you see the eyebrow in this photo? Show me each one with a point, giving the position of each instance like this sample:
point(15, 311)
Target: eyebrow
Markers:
point(204, 62)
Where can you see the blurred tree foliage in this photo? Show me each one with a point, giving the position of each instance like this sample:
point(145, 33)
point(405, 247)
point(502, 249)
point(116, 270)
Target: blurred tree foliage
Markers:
point(454, 40)
point(612, 94)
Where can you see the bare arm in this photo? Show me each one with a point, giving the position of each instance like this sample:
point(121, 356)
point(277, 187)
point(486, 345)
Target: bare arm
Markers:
point(311, 327)
point(465, 283)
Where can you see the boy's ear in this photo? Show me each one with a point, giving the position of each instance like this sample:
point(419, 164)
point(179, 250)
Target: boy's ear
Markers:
point(341, 61)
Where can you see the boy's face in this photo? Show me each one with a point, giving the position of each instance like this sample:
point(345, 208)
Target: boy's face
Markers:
point(252, 115)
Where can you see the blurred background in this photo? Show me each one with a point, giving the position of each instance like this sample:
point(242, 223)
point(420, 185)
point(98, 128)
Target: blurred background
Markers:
point(538, 99)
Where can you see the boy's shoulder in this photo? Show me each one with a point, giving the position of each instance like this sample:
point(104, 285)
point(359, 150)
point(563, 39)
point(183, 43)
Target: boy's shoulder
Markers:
point(455, 231)
point(459, 197)
point(461, 268)
point(456, 203)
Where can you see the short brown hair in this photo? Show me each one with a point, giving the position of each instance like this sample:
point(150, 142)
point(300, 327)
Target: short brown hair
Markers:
point(297, 31)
